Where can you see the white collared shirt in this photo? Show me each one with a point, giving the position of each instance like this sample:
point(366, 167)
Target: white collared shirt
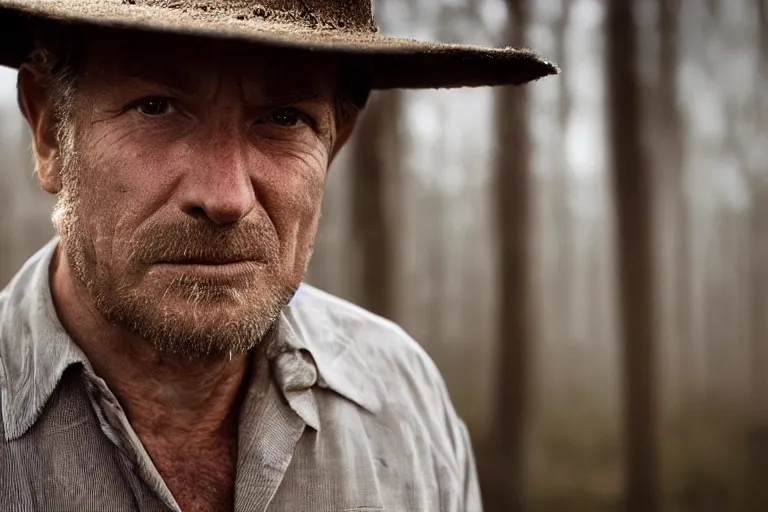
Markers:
point(352, 415)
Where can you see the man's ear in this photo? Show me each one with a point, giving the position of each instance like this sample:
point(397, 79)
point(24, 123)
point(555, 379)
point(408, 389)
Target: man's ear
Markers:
point(345, 131)
point(35, 102)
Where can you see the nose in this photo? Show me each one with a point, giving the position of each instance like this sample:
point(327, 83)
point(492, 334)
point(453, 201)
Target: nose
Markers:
point(219, 186)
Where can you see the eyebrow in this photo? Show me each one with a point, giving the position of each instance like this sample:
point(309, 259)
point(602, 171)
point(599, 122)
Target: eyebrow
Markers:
point(290, 90)
point(169, 77)
point(291, 99)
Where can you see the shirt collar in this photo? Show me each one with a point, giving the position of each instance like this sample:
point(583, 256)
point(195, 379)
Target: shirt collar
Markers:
point(35, 350)
point(341, 366)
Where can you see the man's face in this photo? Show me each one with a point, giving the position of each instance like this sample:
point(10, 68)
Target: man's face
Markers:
point(192, 184)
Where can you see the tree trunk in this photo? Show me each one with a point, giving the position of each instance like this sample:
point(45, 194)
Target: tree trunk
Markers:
point(375, 143)
point(632, 197)
point(513, 211)
point(758, 441)
point(758, 438)
point(674, 214)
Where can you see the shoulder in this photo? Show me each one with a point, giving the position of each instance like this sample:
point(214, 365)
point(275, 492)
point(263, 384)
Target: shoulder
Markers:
point(373, 352)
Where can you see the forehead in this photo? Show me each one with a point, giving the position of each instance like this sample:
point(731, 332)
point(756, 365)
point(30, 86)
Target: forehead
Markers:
point(185, 62)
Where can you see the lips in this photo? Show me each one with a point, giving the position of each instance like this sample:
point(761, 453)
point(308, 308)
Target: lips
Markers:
point(220, 271)
point(199, 261)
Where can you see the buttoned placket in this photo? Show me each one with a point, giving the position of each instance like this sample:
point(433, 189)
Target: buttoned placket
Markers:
point(272, 426)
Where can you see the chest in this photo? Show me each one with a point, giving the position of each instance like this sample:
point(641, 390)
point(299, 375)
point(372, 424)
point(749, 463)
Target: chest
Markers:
point(200, 479)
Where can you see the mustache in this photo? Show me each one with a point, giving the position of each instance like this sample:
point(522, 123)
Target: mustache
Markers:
point(202, 241)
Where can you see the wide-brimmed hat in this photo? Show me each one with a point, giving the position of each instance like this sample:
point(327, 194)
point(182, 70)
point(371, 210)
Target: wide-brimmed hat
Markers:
point(340, 26)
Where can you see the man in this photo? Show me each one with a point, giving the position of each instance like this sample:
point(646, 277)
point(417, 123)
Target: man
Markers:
point(161, 353)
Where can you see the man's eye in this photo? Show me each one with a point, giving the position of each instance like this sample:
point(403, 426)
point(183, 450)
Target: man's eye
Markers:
point(288, 117)
point(153, 107)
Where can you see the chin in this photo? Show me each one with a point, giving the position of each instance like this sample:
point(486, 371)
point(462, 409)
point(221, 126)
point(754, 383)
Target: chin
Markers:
point(198, 318)
point(203, 329)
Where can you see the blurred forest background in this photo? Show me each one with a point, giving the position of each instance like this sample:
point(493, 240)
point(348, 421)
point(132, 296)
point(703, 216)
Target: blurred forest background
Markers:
point(585, 258)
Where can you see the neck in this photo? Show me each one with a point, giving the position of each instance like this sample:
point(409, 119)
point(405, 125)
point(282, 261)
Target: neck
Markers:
point(168, 398)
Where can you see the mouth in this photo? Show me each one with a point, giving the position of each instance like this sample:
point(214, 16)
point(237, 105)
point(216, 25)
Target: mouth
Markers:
point(218, 269)
point(200, 261)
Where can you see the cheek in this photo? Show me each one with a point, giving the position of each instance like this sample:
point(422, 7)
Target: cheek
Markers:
point(118, 194)
point(292, 197)
point(131, 167)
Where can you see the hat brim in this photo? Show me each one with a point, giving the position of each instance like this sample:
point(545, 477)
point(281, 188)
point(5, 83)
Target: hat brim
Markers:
point(393, 62)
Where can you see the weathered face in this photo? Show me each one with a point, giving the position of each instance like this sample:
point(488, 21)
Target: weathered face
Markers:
point(191, 191)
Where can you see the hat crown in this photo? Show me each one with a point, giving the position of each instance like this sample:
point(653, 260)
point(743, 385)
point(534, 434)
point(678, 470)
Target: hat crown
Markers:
point(347, 15)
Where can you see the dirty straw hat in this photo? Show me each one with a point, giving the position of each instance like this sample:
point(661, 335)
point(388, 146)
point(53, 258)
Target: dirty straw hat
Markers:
point(340, 26)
